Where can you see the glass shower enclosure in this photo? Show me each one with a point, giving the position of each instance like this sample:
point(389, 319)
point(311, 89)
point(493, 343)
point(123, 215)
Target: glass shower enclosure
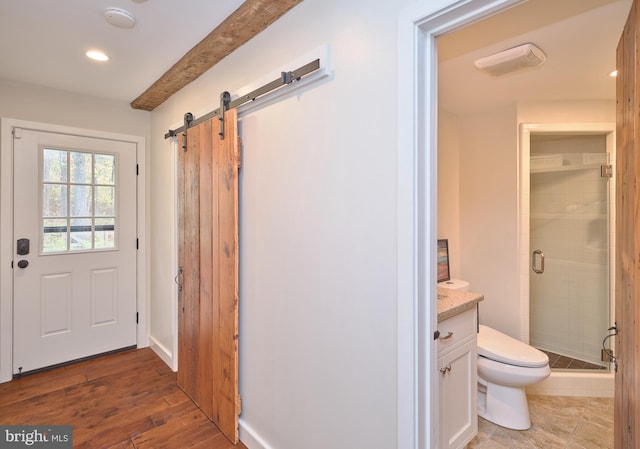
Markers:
point(570, 248)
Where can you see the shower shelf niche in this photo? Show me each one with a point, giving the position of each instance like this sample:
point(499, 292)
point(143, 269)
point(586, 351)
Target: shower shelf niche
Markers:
point(546, 163)
point(551, 216)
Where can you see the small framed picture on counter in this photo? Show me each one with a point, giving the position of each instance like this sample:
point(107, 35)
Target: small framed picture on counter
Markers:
point(443, 260)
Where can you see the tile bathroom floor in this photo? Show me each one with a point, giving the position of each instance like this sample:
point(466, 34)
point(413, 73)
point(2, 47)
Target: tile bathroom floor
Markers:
point(557, 422)
point(557, 361)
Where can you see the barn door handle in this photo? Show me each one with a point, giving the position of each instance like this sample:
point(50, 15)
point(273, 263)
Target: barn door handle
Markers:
point(178, 279)
point(534, 260)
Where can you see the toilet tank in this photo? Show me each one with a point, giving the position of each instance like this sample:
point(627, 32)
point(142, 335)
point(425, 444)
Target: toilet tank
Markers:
point(455, 284)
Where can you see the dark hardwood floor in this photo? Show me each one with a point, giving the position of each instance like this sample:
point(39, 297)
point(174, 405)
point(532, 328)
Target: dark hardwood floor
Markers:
point(125, 400)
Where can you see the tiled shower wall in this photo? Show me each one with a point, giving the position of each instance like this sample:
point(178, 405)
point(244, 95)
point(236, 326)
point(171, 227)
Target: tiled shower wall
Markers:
point(569, 222)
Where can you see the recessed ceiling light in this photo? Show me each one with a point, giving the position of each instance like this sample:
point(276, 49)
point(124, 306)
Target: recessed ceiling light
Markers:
point(614, 73)
point(119, 17)
point(97, 55)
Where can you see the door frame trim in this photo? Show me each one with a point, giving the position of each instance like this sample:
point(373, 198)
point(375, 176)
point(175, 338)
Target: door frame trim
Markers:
point(6, 232)
point(419, 25)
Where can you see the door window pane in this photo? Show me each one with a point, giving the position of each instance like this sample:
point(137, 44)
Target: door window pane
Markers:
point(54, 200)
point(54, 235)
point(81, 201)
point(54, 165)
point(78, 201)
point(105, 171)
point(105, 201)
point(81, 171)
point(105, 233)
point(80, 234)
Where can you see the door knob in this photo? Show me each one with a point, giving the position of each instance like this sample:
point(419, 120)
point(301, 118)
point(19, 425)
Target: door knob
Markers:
point(23, 263)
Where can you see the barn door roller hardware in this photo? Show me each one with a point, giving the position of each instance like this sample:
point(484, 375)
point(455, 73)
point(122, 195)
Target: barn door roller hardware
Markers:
point(225, 99)
point(286, 78)
point(188, 118)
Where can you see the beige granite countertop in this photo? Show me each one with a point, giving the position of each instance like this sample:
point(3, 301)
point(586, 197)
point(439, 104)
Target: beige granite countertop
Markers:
point(453, 302)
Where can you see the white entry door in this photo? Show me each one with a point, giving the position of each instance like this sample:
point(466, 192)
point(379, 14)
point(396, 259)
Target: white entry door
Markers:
point(74, 266)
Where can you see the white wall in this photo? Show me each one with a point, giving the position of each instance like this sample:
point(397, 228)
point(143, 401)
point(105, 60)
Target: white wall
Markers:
point(449, 186)
point(488, 214)
point(598, 111)
point(317, 230)
point(41, 104)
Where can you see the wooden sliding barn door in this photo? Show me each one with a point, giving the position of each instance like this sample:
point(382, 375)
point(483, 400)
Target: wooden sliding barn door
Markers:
point(208, 258)
point(627, 393)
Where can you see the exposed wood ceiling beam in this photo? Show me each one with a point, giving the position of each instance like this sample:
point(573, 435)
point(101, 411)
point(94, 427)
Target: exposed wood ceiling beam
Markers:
point(247, 21)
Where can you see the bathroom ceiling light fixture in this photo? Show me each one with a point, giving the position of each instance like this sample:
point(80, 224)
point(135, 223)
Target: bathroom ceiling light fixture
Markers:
point(119, 17)
point(511, 60)
point(97, 55)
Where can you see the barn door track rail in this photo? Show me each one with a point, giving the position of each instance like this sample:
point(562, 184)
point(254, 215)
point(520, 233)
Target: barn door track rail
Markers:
point(285, 79)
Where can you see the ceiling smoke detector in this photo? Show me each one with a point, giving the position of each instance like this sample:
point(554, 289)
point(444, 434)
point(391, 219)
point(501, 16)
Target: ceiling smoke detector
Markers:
point(511, 60)
point(119, 17)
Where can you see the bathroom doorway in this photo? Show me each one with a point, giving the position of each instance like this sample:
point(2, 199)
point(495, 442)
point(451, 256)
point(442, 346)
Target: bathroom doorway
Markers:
point(571, 208)
point(424, 114)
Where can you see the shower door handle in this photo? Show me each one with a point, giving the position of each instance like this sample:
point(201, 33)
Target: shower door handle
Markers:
point(534, 260)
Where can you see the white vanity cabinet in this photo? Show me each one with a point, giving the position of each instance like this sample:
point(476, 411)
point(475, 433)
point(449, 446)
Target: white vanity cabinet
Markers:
point(458, 379)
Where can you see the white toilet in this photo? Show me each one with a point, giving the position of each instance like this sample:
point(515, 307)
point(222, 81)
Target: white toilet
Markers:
point(505, 367)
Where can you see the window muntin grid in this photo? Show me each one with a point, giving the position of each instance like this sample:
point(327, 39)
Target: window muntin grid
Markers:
point(78, 201)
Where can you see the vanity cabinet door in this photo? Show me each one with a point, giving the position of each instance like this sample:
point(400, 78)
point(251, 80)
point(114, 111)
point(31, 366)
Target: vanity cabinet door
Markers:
point(458, 393)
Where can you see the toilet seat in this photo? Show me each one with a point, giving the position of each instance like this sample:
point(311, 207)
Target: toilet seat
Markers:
point(502, 348)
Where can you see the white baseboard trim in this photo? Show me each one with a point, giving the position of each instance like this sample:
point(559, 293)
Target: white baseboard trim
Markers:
point(575, 384)
point(250, 437)
point(163, 353)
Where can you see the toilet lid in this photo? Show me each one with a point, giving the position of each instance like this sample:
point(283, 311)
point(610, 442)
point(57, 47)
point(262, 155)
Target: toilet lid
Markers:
point(500, 347)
